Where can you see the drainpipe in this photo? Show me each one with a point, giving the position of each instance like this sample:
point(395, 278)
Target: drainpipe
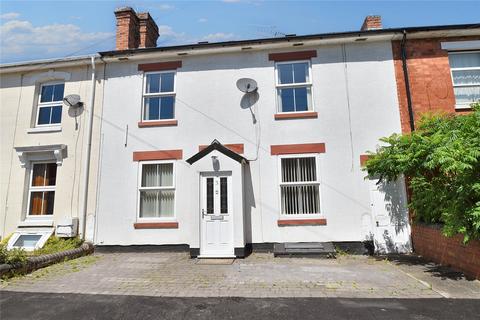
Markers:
point(88, 148)
point(407, 81)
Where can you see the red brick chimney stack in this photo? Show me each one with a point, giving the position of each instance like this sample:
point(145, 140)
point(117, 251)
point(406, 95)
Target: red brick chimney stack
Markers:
point(135, 30)
point(372, 23)
point(148, 30)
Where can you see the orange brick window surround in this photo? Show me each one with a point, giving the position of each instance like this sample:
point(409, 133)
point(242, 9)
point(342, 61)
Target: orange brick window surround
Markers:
point(160, 66)
point(290, 56)
point(158, 155)
point(297, 148)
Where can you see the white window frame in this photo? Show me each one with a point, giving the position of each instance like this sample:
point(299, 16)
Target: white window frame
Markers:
point(40, 189)
point(462, 105)
point(45, 234)
point(140, 188)
point(317, 182)
point(159, 94)
point(48, 104)
point(308, 84)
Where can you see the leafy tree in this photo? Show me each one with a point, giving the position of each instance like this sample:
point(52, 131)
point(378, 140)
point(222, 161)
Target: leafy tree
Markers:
point(441, 162)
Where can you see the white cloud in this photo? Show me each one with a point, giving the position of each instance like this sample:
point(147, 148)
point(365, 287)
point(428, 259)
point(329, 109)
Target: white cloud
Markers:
point(167, 31)
point(202, 20)
point(165, 7)
point(22, 39)
point(9, 15)
point(219, 36)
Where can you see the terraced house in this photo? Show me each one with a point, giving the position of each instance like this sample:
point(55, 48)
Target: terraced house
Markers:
point(221, 148)
point(46, 132)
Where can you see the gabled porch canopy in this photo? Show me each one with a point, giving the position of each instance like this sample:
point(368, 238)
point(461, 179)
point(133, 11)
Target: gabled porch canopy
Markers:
point(216, 145)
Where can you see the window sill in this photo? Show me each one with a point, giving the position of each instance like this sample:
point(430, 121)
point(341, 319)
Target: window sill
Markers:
point(156, 225)
point(296, 115)
point(162, 123)
point(301, 222)
point(45, 129)
point(462, 108)
point(36, 223)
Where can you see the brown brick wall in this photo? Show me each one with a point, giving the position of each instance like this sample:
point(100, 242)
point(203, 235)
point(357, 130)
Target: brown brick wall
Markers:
point(430, 80)
point(372, 23)
point(431, 244)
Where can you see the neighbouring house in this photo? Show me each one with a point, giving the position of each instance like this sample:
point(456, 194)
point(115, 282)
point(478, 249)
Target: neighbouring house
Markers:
point(437, 70)
point(227, 146)
point(44, 148)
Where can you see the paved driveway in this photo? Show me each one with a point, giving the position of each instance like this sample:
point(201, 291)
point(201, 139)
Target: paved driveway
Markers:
point(170, 274)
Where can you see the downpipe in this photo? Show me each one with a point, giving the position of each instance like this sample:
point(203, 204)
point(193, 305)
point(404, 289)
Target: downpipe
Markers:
point(88, 148)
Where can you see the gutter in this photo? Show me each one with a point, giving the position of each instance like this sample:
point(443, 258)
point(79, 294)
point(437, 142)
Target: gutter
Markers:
point(407, 81)
point(88, 148)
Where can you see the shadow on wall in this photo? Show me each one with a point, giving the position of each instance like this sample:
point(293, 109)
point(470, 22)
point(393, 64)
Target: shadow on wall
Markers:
point(396, 207)
point(249, 203)
point(395, 204)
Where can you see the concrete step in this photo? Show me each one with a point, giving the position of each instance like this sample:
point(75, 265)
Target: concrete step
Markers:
point(319, 249)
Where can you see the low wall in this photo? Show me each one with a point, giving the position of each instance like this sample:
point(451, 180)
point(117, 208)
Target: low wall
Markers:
point(429, 242)
point(34, 263)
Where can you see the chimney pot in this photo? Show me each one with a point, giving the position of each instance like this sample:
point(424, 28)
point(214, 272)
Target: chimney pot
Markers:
point(372, 23)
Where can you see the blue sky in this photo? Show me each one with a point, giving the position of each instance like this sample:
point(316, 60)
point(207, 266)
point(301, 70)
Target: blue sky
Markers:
point(48, 29)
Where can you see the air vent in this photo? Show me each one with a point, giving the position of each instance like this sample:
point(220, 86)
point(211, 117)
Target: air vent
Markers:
point(298, 44)
point(361, 39)
point(202, 42)
point(291, 35)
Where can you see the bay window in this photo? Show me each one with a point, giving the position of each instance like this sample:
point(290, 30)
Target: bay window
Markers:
point(465, 69)
point(157, 190)
point(299, 185)
point(294, 86)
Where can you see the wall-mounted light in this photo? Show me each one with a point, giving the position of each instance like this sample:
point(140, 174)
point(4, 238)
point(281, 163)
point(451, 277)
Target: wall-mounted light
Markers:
point(215, 163)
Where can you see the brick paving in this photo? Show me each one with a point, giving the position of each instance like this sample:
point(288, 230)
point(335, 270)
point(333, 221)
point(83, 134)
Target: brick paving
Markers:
point(260, 275)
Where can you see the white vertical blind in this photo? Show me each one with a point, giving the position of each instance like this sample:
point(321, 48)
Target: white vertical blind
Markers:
point(299, 188)
point(157, 193)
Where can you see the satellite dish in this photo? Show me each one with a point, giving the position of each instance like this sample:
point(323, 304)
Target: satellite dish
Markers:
point(246, 85)
point(73, 100)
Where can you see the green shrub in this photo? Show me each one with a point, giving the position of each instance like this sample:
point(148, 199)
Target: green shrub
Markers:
point(55, 244)
point(12, 256)
point(16, 256)
point(3, 253)
point(441, 162)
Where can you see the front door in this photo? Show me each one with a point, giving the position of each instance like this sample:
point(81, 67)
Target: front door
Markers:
point(216, 215)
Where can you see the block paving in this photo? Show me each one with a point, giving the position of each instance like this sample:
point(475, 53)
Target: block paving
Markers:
point(173, 274)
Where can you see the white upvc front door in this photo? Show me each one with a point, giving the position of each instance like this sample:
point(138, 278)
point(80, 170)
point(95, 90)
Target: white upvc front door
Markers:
point(216, 215)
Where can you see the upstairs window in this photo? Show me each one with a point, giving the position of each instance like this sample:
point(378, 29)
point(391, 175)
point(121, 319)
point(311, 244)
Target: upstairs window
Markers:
point(465, 68)
point(49, 109)
point(157, 190)
point(294, 86)
point(299, 186)
point(159, 96)
point(42, 189)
